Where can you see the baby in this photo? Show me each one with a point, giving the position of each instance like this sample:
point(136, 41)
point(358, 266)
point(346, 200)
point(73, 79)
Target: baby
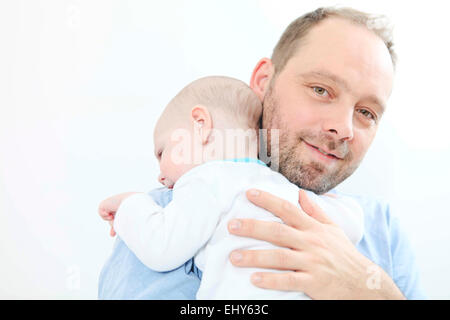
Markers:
point(206, 142)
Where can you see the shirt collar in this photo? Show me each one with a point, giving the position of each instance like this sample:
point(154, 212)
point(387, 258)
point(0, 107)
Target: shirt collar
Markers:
point(248, 160)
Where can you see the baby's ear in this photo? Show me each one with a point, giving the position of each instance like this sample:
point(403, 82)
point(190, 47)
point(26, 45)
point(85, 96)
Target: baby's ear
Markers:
point(199, 114)
point(202, 121)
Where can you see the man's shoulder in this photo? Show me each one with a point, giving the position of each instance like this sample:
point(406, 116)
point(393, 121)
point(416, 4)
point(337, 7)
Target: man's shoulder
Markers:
point(375, 209)
point(386, 244)
point(376, 243)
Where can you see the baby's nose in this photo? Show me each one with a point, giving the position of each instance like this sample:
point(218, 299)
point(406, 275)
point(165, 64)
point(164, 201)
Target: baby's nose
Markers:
point(161, 178)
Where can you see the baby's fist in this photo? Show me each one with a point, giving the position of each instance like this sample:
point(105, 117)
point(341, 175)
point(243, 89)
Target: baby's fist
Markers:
point(108, 208)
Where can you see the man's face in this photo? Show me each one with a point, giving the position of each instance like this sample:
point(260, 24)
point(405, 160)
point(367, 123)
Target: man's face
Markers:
point(327, 102)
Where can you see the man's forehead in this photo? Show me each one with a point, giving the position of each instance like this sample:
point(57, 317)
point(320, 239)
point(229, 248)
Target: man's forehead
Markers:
point(347, 54)
point(336, 40)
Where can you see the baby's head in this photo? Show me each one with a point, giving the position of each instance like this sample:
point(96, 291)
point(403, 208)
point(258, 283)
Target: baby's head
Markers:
point(196, 125)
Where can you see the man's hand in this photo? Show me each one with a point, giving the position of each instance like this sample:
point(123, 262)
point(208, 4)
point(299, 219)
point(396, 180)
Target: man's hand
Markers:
point(108, 208)
point(323, 263)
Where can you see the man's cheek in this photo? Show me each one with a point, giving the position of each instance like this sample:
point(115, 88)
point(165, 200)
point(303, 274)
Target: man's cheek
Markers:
point(304, 117)
point(357, 151)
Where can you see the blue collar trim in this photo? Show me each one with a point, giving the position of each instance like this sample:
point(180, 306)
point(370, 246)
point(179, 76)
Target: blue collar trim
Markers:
point(248, 160)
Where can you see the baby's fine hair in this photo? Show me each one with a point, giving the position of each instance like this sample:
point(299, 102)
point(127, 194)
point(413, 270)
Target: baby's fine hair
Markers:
point(231, 102)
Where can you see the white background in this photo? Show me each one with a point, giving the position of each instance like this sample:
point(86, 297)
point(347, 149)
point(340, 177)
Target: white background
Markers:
point(82, 83)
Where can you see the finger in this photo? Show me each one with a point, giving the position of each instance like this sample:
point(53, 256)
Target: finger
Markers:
point(280, 259)
point(105, 214)
point(286, 281)
point(312, 208)
point(331, 195)
point(284, 209)
point(276, 233)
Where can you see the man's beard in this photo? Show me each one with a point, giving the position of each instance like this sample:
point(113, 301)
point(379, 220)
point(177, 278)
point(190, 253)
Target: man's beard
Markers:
point(308, 175)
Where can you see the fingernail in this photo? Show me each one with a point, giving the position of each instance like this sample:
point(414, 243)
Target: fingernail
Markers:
point(236, 256)
point(256, 278)
point(235, 224)
point(254, 192)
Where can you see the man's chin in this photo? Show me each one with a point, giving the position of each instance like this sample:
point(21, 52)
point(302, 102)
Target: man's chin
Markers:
point(317, 186)
point(312, 177)
point(301, 169)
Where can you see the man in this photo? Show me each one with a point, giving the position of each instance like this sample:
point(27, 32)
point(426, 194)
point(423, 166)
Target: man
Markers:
point(326, 88)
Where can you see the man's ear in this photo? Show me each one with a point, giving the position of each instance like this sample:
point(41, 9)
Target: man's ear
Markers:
point(261, 76)
point(202, 122)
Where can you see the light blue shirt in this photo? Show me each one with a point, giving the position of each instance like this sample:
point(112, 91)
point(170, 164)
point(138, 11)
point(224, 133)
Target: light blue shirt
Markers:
point(125, 277)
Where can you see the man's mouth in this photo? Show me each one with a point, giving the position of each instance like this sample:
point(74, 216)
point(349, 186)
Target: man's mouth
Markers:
point(325, 153)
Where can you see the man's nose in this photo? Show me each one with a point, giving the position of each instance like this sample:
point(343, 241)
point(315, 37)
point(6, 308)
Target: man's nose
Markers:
point(340, 123)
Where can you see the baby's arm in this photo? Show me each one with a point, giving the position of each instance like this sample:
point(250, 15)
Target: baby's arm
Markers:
point(165, 238)
point(108, 208)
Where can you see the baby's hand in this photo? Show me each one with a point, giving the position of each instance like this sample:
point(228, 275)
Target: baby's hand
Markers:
point(108, 208)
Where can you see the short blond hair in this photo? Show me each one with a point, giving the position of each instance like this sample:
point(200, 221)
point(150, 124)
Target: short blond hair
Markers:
point(299, 28)
point(230, 102)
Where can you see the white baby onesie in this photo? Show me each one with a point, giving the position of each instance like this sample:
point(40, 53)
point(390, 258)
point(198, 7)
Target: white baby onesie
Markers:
point(195, 222)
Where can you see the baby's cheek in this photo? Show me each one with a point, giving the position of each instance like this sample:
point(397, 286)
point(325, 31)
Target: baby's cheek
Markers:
point(168, 169)
point(182, 169)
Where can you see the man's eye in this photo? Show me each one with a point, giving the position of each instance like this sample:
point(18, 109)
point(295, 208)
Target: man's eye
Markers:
point(320, 91)
point(159, 154)
point(367, 114)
